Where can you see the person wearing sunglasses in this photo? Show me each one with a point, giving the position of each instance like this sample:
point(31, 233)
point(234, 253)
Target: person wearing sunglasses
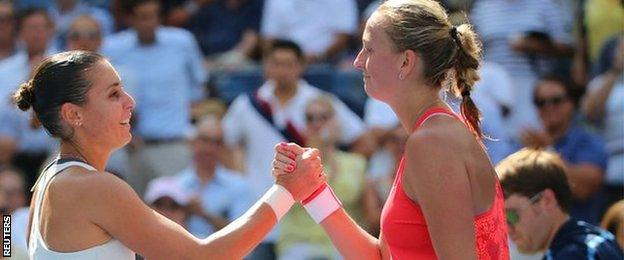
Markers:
point(538, 200)
point(583, 152)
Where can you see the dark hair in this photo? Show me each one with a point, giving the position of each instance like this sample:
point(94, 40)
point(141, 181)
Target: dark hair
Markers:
point(26, 13)
point(59, 79)
point(130, 5)
point(281, 44)
point(423, 26)
point(530, 171)
point(565, 82)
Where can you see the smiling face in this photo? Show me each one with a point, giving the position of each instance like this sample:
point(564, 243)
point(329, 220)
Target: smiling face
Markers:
point(106, 114)
point(377, 60)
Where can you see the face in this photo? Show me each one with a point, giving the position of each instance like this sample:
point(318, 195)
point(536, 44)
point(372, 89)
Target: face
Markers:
point(36, 32)
point(377, 60)
point(84, 34)
point(528, 227)
point(7, 21)
point(13, 188)
point(146, 18)
point(207, 144)
point(170, 209)
point(284, 67)
point(318, 119)
point(554, 107)
point(106, 114)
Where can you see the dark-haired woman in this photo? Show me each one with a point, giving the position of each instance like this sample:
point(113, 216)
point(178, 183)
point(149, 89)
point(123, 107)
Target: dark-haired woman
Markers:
point(79, 211)
point(446, 201)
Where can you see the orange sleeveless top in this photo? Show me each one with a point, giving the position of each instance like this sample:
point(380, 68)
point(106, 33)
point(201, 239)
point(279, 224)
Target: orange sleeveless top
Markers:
point(404, 227)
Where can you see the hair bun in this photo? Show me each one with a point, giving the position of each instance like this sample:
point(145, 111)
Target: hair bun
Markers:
point(24, 97)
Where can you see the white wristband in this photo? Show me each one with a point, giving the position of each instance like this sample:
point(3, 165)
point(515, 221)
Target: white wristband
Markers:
point(322, 204)
point(279, 199)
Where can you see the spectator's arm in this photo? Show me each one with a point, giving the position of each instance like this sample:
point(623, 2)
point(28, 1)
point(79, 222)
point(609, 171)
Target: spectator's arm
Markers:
point(248, 42)
point(585, 179)
point(593, 105)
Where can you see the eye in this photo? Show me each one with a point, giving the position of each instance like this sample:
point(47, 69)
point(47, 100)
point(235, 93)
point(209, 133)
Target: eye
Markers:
point(115, 94)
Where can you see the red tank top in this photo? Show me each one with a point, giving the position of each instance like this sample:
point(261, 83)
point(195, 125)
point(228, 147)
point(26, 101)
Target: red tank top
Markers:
point(404, 228)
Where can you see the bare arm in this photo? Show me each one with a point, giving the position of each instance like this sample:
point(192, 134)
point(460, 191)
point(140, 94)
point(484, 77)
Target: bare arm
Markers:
point(442, 189)
point(594, 104)
point(585, 180)
point(351, 240)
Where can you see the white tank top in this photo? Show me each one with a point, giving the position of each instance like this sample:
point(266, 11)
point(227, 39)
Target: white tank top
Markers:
point(37, 248)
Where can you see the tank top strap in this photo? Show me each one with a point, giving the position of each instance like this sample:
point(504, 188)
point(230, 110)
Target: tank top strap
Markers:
point(431, 112)
point(41, 185)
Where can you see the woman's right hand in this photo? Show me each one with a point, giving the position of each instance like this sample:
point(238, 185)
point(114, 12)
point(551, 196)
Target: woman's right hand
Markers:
point(305, 178)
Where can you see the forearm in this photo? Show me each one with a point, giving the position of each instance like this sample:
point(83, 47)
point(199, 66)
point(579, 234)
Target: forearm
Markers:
point(339, 44)
point(238, 238)
point(350, 239)
point(248, 42)
point(594, 105)
point(585, 180)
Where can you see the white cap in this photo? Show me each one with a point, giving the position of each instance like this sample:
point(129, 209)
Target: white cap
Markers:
point(166, 187)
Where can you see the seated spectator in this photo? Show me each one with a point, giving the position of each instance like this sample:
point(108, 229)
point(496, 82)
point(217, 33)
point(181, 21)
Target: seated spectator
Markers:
point(168, 198)
point(64, 12)
point(584, 152)
point(537, 204)
point(13, 188)
point(84, 34)
point(8, 33)
point(613, 221)
point(219, 195)
point(301, 237)
point(322, 28)
point(604, 105)
point(228, 32)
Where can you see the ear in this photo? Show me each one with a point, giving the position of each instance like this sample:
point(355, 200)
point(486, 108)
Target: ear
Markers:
point(549, 200)
point(71, 114)
point(410, 62)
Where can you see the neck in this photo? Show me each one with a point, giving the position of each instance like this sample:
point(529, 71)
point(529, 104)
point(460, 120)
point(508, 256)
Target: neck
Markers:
point(285, 92)
point(205, 173)
point(409, 107)
point(147, 38)
point(93, 157)
point(6, 48)
point(557, 132)
point(560, 219)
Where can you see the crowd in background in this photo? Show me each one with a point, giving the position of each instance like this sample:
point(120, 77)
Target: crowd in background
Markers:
point(219, 82)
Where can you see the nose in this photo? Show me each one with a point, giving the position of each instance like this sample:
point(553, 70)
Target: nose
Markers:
point(358, 63)
point(129, 103)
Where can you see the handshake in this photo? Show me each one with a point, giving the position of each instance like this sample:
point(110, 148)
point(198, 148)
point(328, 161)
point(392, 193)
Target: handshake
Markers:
point(299, 177)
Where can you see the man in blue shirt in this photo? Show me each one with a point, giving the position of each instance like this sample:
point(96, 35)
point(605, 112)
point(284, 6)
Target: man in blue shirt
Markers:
point(166, 66)
point(583, 152)
point(537, 206)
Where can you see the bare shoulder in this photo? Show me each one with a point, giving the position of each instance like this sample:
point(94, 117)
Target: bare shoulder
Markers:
point(439, 134)
point(84, 186)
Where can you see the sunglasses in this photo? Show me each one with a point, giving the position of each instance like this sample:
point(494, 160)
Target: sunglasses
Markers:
point(318, 117)
point(555, 101)
point(90, 35)
point(513, 215)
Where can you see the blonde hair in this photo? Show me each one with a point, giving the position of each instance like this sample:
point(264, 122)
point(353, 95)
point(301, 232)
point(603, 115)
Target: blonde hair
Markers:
point(447, 51)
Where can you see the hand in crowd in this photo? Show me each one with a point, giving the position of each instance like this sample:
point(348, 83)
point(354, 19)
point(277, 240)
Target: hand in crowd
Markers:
point(534, 138)
point(298, 170)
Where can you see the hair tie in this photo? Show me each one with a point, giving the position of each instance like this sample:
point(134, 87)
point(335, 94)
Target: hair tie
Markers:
point(465, 93)
point(453, 33)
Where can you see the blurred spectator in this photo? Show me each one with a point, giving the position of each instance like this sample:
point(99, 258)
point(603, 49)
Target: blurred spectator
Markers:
point(12, 186)
point(604, 104)
point(613, 221)
point(276, 113)
point(228, 32)
point(168, 198)
point(322, 27)
point(219, 195)
point(8, 34)
point(167, 66)
point(605, 60)
point(522, 36)
point(583, 152)
point(33, 144)
point(301, 238)
point(84, 34)
point(598, 21)
point(537, 204)
point(64, 12)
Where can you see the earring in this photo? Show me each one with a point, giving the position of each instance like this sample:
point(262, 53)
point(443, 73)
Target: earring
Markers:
point(401, 76)
point(79, 123)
